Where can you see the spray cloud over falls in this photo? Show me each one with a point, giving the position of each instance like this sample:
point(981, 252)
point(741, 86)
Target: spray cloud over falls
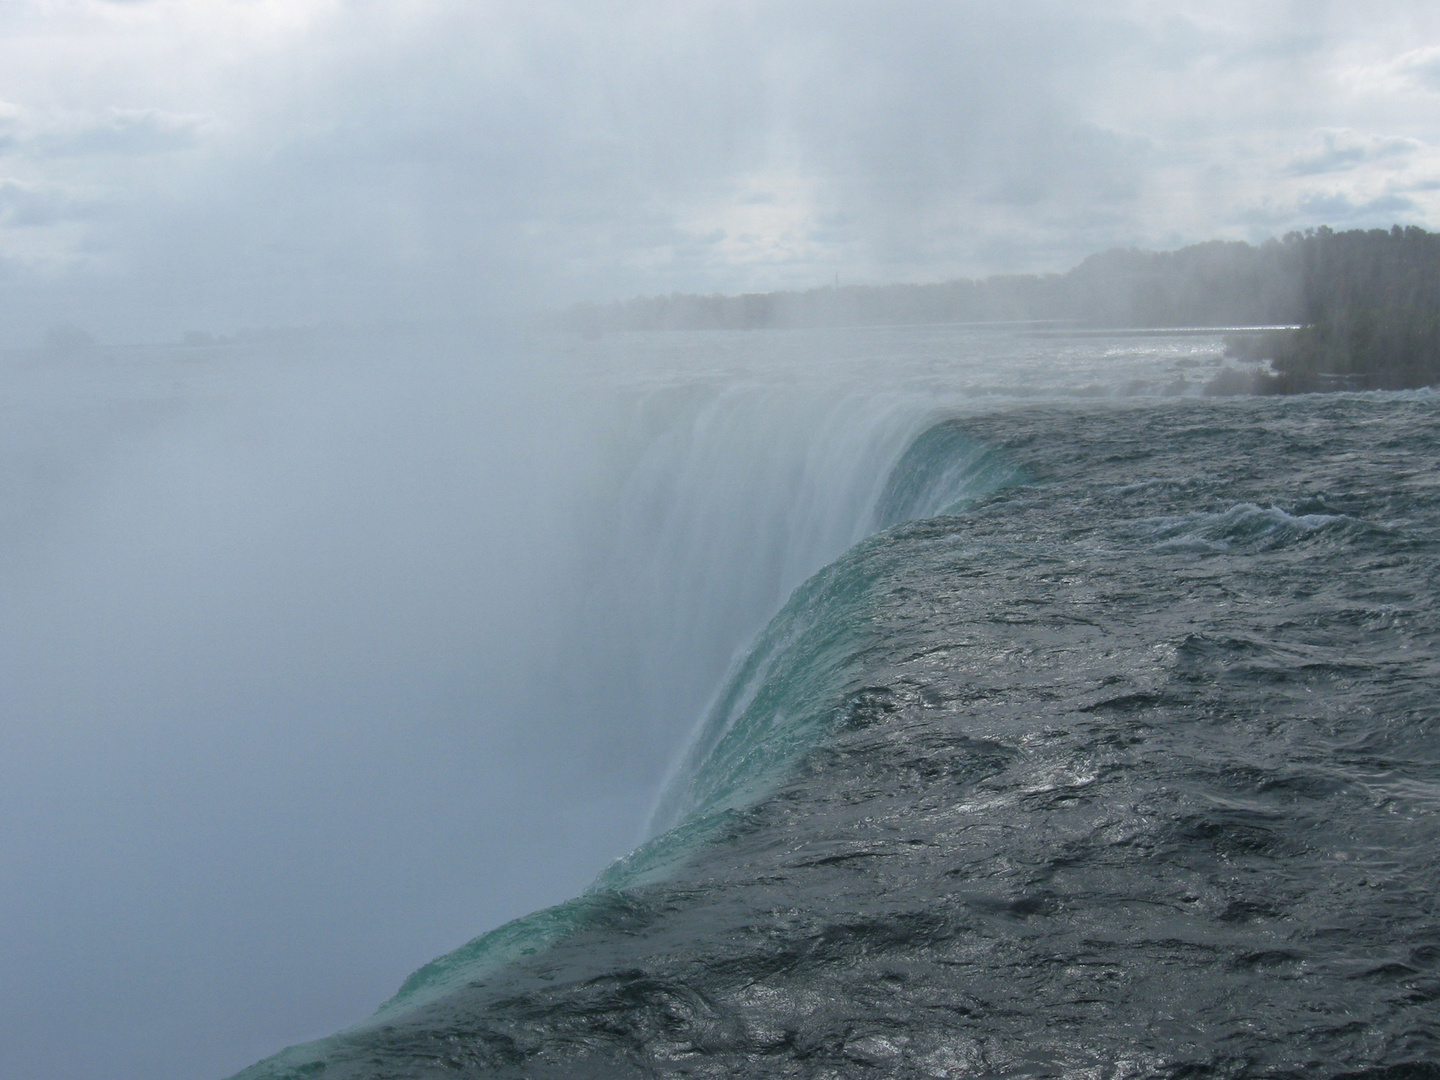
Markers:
point(167, 165)
point(365, 641)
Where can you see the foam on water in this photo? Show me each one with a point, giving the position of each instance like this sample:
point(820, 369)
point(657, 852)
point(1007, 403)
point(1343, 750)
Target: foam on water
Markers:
point(1244, 525)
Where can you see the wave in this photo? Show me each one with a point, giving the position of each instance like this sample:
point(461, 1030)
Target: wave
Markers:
point(942, 472)
point(1242, 526)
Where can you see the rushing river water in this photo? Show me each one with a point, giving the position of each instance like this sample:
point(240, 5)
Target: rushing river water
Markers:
point(1102, 744)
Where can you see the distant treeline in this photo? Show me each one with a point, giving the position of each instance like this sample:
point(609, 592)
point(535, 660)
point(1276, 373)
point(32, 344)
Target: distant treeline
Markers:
point(1369, 303)
point(1371, 315)
point(1217, 283)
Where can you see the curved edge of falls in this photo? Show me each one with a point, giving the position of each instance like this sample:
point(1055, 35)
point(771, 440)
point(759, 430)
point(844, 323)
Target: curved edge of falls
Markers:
point(780, 699)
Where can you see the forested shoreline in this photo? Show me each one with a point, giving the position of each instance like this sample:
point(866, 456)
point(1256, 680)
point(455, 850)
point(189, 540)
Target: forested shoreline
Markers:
point(1371, 315)
point(1367, 304)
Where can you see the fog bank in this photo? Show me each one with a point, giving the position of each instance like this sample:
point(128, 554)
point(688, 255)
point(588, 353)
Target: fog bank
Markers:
point(167, 165)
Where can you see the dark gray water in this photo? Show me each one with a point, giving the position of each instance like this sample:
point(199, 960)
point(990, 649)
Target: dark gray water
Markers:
point(1128, 768)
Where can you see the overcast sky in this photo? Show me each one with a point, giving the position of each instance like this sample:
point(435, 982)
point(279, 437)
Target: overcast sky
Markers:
point(216, 163)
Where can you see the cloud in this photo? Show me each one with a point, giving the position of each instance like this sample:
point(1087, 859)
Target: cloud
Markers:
point(1336, 207)
point(1340, 149)
point(121, 132)
point(426, 159)
point(1393, 78)
point(107, 132)
point(27, 206)
point(1421, 67)
point(1340, 208)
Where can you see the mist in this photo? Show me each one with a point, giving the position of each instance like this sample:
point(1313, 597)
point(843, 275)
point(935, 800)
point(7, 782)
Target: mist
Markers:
point(323, 656)
point(167, 166)
point(345, 618)
point(265, 659)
